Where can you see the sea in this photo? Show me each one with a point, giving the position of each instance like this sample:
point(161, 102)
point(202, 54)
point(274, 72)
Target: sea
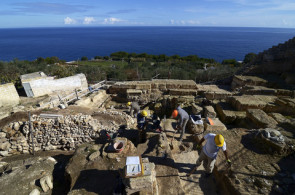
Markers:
point(69, 44)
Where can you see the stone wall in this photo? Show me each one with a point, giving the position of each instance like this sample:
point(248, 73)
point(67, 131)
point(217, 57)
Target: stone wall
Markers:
point(8, 95)
point(47, 85)
point(156, 84)
point(64, 133)
point(241, 81)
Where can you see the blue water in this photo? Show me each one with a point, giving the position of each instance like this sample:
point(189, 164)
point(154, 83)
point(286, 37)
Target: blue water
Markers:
point(72, 43)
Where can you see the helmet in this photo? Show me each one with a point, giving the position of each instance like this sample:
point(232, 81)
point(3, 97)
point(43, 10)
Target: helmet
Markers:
point(128, 103)
point(144, 113)
point(219, 140)
point(174, 113)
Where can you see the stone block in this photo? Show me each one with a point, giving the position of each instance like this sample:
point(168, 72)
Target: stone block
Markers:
point(260, 118)
point(143, 86)
point(2, 135)
point(209, 112)
point(263, 102)
point(196, 109)
point(35, 192)
point(142, 183)
point(278, 117)
point(196, 129)
point(211, 95)
point(134, 92)
point(258, 90)
point(240, 81)
point(225, 112)
point(183, 92)
point(46, 183)
point(9, 95)
point(4, 153)
point(218, 125)
point(5, 146)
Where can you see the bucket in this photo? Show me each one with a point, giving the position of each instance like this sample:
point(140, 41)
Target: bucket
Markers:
point(119, 146)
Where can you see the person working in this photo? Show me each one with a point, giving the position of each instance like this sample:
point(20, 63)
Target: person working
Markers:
point(141, 124)
point(134, 108)
point(156, 123)
point(141, 120)
point(209, 152)
point(182, 117)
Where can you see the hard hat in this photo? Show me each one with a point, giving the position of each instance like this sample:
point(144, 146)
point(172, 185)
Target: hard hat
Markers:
point(219, 140)
point(144, 113)
point(128, 103)
point(174, 113)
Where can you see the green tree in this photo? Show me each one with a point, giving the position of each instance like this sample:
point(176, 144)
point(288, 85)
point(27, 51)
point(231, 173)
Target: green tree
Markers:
point(98, 57)
point(84, 58)
point(231, 62)
point(119, 55)
point(249, 57)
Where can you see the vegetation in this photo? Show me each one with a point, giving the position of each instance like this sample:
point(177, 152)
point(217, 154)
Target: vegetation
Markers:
point(249, 57)
point(123, 66)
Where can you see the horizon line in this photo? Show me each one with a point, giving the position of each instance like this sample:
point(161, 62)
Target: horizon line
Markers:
point(107, 26)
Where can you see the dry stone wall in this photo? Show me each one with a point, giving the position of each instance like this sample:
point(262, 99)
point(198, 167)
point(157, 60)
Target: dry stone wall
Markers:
point(64, 133)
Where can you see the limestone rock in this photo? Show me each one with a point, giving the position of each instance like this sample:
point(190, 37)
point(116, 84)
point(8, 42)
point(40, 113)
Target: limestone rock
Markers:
point(218, 125)
point(94, 156)
point(260, 118)
point(3, 166)
point(46, 183)
point(35, 192)
point(4, 153)
point(5, 146)
point(2, 135)
point(25, 176)
point(197, 109)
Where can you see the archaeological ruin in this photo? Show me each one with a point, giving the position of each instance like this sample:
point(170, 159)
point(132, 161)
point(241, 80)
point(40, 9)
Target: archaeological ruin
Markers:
point(84, 141)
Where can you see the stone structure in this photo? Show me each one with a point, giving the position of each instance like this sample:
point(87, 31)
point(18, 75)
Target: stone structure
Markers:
point(8, 95)
point(61, 133)
point(133, 89)
point(266, 103)
point(240, 81)
point(261, 119)
point(23, 176)
point(212, 92)
point(38, 84)
point(278, 59)
point(146, 183)
point(228, 115)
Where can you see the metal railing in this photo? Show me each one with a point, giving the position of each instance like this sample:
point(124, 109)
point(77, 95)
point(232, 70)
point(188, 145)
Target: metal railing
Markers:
point(76, 95)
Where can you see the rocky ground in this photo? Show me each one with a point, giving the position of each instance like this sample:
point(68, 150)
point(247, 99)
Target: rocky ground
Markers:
point(74, 154)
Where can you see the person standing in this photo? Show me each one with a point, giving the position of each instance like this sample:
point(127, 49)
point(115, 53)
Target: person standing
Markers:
point(182, 117)
point(209, 152)
point(134, 108)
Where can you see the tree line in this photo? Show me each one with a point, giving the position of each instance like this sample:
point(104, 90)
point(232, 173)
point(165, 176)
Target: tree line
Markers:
point(135, 67)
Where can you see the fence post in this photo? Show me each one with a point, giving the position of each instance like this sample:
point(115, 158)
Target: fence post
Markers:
point(76, 94)
point(31, 132)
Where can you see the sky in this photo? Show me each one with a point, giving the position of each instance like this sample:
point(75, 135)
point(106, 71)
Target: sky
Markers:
point(73, 13)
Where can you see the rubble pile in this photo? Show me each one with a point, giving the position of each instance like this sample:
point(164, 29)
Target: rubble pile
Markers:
point(64, 133)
